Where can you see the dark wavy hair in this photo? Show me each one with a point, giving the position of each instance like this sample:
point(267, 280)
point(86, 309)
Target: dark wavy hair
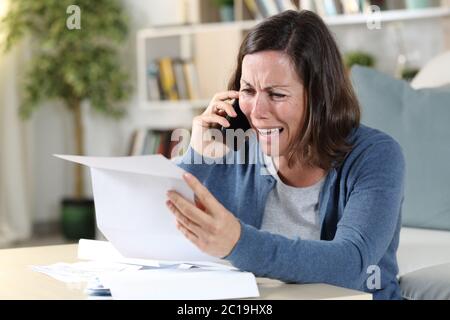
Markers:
point(332, 109)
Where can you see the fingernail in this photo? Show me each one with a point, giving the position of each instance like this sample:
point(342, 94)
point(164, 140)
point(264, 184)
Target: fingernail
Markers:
point(187, 176)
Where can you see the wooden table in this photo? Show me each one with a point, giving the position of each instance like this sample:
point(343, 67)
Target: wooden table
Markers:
point(19, 281)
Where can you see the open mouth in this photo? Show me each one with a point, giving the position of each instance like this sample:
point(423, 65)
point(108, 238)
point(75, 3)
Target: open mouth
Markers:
point(270, 131)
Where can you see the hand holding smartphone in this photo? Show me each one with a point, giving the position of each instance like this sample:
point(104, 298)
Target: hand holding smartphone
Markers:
point(238, 122)
point(220, 114)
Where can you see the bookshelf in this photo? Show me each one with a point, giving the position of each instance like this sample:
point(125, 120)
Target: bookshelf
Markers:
point(210, 46)
point(195, 44)
point(204, 11)
point(390, 16)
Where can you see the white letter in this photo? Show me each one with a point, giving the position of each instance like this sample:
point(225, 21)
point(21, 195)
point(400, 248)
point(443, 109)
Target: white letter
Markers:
point(216, 149)
point(374, 280)
point(374, 19)
point(180, 148)
point(73, 21)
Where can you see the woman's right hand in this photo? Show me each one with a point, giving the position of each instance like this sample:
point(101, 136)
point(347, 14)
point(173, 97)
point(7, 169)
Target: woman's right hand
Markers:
point(206, 125)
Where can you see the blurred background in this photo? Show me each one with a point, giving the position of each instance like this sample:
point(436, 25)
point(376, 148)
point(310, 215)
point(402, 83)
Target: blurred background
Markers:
point(115, 77)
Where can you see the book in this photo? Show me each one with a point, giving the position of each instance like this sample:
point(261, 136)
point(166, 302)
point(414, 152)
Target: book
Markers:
point(330, 7)
point(153, 83)
point(150, 143)
point(271, 7)
point(395, 5)
point(191, 80)
point(253, 8)
point(168, 78)
point(131, 144)
point(138, 142)
point(350, 6)
point(283, 5)
point(307, 5)
point(162, 143)
point(364, 6)
point(339, 7)
point(379, 3)
point(267, 8)
point(262, 9)
point(180, 80)
point(320, 8)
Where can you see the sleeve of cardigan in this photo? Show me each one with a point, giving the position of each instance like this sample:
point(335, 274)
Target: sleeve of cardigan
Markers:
point(362, 237)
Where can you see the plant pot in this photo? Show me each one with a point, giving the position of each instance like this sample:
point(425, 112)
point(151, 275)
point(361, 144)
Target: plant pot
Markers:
point(78, 219)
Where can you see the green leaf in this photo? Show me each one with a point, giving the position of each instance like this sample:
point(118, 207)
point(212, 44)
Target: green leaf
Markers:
point(71, 65)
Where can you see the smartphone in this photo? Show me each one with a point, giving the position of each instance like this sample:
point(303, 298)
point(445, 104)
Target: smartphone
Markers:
point(238, 122)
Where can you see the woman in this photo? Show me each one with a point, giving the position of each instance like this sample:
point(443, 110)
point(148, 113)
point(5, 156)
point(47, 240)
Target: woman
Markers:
point(331, 214)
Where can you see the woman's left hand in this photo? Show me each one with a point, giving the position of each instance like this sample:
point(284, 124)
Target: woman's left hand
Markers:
point(209, 225)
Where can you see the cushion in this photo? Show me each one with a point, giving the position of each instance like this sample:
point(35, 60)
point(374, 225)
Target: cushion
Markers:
point(420, 121)
point(434, 74)
point(432, 283)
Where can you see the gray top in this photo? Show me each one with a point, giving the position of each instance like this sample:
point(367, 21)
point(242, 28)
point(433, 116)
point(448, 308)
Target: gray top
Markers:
point(293, 212)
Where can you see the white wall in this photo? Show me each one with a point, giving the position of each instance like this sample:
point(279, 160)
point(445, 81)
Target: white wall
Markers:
point(52, 126)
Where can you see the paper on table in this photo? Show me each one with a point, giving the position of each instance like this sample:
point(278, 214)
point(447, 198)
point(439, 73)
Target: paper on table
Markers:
point(81, 271)
point(129, 196)
point(104, 251)
point(175, 284)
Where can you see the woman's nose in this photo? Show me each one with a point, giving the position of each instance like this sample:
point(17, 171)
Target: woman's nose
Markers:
point(260, 107)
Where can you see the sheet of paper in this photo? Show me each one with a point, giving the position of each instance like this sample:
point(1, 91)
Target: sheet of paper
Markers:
point(176, 284)
point(104, 251)
point(156, 165)
point(81, 271)
point(130, 195)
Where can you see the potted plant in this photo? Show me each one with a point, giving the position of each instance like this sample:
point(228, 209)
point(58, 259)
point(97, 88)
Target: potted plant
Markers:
point(73, 66)
point(358, 58)
point(226, 9)
point(409, 73)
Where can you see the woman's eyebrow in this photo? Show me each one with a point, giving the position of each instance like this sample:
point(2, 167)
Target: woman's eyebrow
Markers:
point(246, 83)
point(268, 87)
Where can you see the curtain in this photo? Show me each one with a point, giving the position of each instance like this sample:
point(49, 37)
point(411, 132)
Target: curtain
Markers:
point(15, 217)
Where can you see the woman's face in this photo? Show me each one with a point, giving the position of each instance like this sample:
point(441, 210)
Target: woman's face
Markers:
point(272, 98)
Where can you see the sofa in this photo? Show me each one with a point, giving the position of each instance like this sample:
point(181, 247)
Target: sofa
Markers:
point(417, 115)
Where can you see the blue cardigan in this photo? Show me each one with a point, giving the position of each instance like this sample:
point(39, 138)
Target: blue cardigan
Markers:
point(359, 208)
